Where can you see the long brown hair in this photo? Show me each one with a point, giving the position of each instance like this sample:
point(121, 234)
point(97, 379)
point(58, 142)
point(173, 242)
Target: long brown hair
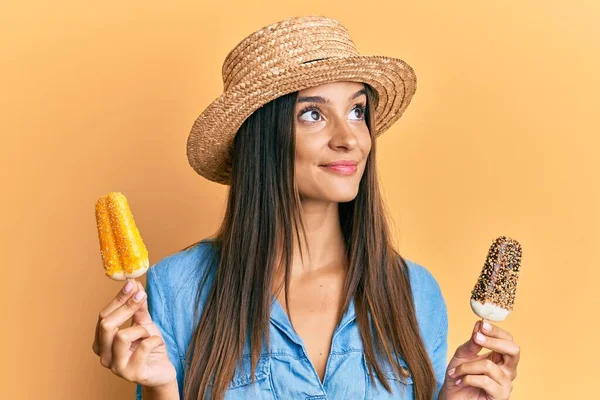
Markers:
point(256, 237)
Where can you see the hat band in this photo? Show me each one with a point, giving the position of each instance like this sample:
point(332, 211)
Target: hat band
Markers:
point(316, 59)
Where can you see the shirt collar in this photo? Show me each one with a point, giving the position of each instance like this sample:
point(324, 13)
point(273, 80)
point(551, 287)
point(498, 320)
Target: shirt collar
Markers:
point(280, 319)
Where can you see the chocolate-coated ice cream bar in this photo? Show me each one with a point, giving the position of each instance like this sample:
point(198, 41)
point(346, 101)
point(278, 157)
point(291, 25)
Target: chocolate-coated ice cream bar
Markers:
point(494, 294)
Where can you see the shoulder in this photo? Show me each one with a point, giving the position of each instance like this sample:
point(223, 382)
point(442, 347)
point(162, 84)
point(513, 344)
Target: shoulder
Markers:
point(430, 305)
point(176, 277)
point(185, 264)
point(424, 285)
point(174, 282)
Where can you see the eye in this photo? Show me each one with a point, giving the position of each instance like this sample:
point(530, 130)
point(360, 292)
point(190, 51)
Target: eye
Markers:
point(312, 111)
point(361, 111)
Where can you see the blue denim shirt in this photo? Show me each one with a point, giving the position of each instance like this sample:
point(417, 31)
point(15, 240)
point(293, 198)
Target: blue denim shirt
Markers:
point(285, 372)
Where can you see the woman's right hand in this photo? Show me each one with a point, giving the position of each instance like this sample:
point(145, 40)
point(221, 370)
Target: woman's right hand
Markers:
point(137, 353)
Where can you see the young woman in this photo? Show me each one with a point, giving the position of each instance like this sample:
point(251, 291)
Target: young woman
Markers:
point(300, 295)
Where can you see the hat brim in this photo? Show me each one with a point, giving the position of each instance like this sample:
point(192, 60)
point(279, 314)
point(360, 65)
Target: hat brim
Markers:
point(211, 136)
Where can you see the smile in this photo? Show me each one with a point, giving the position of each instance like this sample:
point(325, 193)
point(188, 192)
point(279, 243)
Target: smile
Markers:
point(340, 169)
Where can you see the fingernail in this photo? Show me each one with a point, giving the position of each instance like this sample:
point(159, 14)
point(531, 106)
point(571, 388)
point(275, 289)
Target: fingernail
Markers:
point(128, 287)
point(458, 381)
point(486, 326)
point(480, 337)
point(139, 295)
point(451, 372)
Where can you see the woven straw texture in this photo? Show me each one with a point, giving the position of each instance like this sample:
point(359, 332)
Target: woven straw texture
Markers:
point(284, 57)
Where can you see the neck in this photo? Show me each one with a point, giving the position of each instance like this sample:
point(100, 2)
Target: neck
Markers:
point(323, 247)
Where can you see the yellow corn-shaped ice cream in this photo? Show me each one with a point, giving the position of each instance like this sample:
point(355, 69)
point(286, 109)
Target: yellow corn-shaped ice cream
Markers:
point(123, 251)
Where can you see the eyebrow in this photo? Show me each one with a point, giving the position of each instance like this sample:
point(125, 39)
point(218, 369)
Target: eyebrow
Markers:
point(322, 100)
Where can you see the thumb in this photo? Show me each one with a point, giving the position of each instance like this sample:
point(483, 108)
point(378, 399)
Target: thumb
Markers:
point(142, 314)
point(470, 348)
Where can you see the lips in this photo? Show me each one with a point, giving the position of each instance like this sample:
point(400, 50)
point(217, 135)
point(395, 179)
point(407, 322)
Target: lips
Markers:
point(342, 167)
point(341, 163)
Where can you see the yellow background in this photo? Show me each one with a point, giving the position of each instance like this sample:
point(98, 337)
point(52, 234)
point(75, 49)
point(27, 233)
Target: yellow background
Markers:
point(501, 139)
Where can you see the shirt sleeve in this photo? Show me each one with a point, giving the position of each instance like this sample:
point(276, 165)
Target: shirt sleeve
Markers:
point(440, 350)
point(161, 316)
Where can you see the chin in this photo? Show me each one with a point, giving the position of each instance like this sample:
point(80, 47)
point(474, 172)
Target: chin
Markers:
point(341, 194)
point(330, 190)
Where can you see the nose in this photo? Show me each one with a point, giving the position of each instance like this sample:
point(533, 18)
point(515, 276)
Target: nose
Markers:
point(343, 137)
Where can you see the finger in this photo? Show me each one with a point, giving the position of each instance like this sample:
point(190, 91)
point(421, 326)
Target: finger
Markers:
point(509, 349)
point(121, 297)
point(495, 331)
point(470, 348)
point(487, 384)
point(481, 367)
point(483, 356)
point(109, 326)
point(142, 314)
point(122, 346)
point(139, 358)
point(124, 294)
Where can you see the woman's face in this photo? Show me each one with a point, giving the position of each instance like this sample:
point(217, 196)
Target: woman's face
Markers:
point(332, 141)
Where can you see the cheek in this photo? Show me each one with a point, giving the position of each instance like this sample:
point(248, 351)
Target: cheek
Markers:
point(307, 152)
point(306, 165)
point(365, 144)
point(302, 162)
point(301, 155)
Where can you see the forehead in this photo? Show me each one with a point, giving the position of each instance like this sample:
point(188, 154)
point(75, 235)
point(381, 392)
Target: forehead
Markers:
point(333, 90)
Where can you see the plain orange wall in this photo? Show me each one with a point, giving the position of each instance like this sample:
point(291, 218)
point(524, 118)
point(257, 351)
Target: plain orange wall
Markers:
point(501, 139)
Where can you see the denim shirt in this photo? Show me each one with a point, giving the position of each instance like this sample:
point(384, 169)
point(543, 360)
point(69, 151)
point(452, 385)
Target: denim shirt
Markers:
point(285, 371)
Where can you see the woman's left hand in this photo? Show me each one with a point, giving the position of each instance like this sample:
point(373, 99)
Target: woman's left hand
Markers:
point(487, 376)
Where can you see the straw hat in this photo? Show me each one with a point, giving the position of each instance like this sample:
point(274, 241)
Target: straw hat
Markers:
point(284, 57)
